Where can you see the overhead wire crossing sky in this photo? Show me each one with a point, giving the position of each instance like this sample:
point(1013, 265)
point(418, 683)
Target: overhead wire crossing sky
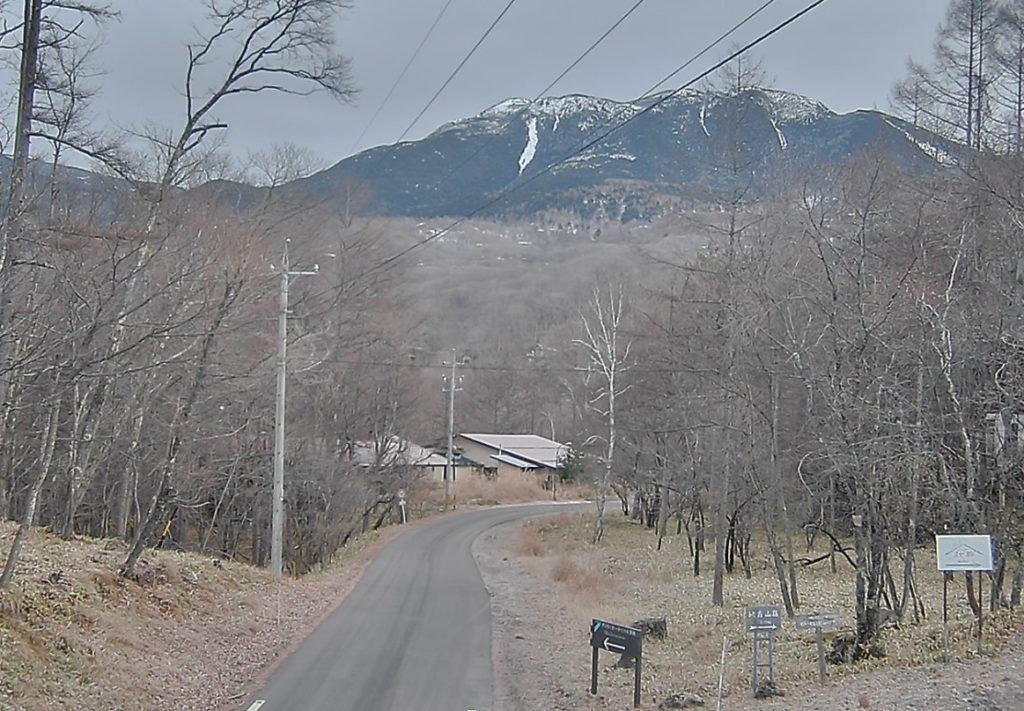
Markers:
point(616, 127)
point(457, 69)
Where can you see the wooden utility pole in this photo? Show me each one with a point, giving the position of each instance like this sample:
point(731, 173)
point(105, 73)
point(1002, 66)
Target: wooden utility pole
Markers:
point(451, 387)
point(277, 510)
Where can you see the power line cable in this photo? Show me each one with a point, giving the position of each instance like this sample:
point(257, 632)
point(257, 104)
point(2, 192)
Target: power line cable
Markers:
point(678, 70)
point(591, 48)
point(457, 69)
point(470, 367)
point(602, 136)
point(405, 69)
point(508, 122)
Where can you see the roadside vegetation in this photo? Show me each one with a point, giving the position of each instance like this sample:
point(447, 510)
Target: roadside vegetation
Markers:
point(199, 629)
point(627, 578)
point(190, 632)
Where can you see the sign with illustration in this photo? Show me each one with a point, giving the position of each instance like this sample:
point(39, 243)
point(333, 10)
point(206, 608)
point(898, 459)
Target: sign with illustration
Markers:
point(964, 552)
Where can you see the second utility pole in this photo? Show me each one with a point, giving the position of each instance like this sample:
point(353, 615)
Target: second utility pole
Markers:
point(449, 469)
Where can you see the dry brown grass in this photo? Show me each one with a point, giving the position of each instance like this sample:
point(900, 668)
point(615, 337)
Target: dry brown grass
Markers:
point(625, 578)
point(578, 580)
point(549, 545)
point(72, 628)
point(195, 635)
point(503, 490)
point(508, 489)
point(530, 542)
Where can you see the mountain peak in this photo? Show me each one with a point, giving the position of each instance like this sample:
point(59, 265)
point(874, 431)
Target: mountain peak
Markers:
point(790, 107)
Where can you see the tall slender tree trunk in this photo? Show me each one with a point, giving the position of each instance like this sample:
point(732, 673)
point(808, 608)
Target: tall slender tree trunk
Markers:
point(864, 627)
point(916, 465)
point(780, 566)
point(787, 524)
point(1018, 578)
point(972, 40)
point(48, 441)
point(663, 506)
point(129, 476)
point(721, 524)
point(12, 226)
point(27, 82)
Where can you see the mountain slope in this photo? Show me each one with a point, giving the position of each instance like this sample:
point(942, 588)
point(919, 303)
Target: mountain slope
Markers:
point(574, 153)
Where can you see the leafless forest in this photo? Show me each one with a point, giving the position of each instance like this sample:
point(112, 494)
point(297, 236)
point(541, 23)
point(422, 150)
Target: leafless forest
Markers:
point(843, 359)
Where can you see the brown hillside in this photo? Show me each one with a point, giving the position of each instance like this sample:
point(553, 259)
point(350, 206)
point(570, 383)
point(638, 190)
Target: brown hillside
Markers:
point(194, 634)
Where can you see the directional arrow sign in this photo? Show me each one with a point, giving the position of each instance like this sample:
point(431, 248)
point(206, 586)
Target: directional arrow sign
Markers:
point(612, 647)
point(626, 641)
point(826, 620)
point(764, 617)
point(615, 638)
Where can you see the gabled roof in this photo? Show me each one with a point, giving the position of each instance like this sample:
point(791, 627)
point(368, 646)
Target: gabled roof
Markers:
point(534, 449)
point(395, 451)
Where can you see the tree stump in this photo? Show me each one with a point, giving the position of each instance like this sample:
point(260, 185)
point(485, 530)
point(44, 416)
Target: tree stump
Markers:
point(652, 627)
point(681, 701)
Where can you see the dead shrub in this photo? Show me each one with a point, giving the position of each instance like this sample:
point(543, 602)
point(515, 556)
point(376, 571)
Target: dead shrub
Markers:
point(531, 541)
point(12, 604)
point(574, 577)
point(502, 490)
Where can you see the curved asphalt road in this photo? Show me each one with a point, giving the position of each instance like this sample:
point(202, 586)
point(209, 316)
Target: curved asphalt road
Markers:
point(414, 635)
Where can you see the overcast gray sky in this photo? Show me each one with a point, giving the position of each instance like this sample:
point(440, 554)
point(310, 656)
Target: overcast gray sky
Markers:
point(847, 54)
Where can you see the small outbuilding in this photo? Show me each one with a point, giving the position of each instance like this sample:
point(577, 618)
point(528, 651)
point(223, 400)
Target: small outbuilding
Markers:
point(513, 454)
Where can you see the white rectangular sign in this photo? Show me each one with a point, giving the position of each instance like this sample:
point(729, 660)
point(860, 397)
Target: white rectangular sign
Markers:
point(964, 552)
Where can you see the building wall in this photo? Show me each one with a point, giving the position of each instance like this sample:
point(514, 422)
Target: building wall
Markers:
point(476, 452)
point(507, 471)
point(436, 474)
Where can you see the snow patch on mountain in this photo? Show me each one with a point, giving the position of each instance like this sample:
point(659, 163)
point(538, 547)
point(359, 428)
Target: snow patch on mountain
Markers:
point(508, 107)
point(591, 158)
point(588, 111)
point(531, 145)
point(941, 155)
point(783, 143)
point(793, 108)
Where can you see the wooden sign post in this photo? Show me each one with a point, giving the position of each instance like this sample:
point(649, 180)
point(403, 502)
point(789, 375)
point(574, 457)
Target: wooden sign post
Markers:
point(820, 622)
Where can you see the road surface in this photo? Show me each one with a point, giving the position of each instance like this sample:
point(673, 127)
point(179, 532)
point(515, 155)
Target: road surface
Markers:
point(414, 635)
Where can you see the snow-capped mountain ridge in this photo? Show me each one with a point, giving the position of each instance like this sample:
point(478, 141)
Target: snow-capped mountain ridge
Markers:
point(786, 106)
point(569, 153)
